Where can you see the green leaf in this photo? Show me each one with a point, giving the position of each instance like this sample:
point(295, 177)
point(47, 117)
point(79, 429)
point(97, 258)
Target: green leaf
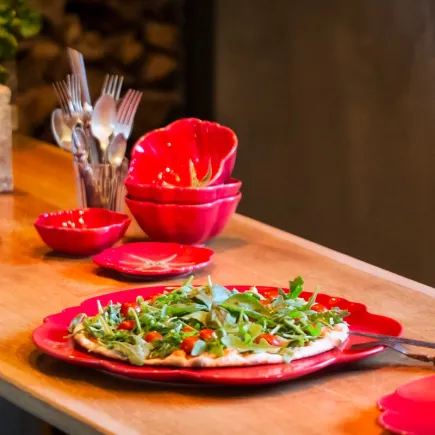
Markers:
point(296, 287)
point(74, 322)
point(233, 342)
point(314, 330)
point(198, 348)
point(248, 302)
point(181, 309)
point(136, 353)
point(220, 293)
point(200, 316)
point(30, 24)
point(8, 45)
point(312, 299)
point(218, 317)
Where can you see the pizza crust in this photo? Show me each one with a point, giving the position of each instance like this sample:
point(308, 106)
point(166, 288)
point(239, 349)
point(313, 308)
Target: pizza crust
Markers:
point(232, 358)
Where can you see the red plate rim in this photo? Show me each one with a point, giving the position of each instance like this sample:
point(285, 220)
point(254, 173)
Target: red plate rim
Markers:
point(102, 260)
point(50, 338)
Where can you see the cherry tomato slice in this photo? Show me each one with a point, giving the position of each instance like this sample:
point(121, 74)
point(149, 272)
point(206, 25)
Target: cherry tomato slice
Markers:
point(319, 308)
point(188, 343)
point(207, 334)
point(127, 305)
point(271, 339)
point(152, 336)
point(264, 302)
point(187, 329)
point(271, 294)
point(127, 325)
point(152, 299)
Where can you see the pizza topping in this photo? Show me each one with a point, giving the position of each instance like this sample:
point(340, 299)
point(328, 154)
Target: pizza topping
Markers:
point(207, 334)
point(188, 344)
point(127, 325)
point(153, 336)
point(125, 308)
point(211, 319)
point(271, 339)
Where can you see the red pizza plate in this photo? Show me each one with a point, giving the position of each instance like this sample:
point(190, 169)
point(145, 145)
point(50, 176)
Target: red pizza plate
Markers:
point(50, 338)
point(149, 259)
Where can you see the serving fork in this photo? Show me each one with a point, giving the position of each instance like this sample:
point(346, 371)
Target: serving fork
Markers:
point(394, 343)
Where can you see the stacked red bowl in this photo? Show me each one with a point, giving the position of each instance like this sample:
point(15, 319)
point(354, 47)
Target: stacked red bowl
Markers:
point(179, 183)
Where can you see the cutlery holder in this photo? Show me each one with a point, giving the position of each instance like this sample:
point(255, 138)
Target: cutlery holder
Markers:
point(101, 185)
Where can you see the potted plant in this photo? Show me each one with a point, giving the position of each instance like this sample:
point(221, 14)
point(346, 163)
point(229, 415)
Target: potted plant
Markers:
point(17, 22)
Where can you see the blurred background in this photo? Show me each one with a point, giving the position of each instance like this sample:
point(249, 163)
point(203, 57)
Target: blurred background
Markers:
point(333, 103)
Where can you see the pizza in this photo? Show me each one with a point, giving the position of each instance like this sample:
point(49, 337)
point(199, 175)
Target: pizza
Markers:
point(213, 326)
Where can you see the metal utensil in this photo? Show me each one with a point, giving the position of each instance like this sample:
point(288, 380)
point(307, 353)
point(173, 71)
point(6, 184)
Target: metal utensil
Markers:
point(394, 346)
point(78, 67)
point(391, 339)
point(94, 157)
point(127, 111)
point(112, 85)
point(103, 121)
point(61, 132)
point(117, 148)
point(79, 144)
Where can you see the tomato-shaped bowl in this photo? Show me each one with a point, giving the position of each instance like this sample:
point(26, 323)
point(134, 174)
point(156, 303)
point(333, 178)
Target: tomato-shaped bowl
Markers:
point(181, 223)
point(82, 232)
point(182, 195)
point(165, 156)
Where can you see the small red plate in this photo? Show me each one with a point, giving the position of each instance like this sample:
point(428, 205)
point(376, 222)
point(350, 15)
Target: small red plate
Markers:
point(50, 337)
point(154, 259)
point(409, 410)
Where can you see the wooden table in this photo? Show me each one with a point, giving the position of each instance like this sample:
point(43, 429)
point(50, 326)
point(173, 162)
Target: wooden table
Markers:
point(35, 282)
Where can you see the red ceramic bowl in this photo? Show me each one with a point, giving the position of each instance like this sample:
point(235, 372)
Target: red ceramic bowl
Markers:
point(180, 223)
point(164, 155)
point(82, 231)
point(182, 195)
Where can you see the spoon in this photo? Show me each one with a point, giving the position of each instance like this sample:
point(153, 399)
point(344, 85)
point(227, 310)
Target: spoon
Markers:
point(61, 132)
point(117, 150)
point(103, 121)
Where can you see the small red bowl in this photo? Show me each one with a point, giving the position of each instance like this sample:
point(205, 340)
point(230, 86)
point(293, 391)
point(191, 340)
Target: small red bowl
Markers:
point(182, 195)
point(164, 155)
point(187, 224)
point(82, 231)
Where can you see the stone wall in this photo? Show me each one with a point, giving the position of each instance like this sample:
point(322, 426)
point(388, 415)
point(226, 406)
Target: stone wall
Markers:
point(139, 39)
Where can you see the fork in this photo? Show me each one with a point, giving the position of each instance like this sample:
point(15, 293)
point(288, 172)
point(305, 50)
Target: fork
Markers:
point(394, 346)
point(112, 85)
point(126, 112)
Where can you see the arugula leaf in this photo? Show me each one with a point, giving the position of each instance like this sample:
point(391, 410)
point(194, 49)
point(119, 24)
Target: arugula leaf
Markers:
point(296, 287)
point(74, 322)
point(218, 317)
point(136, 353)
point(220, 293)
point(312, 299)
point(248, 302)
point(233, 342)
point(201, 316)
point(198, 348)
point(181, 309)
point(314, 330)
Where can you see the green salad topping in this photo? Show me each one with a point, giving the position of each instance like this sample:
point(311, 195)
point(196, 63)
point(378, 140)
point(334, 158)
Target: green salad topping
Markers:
point(210, 318)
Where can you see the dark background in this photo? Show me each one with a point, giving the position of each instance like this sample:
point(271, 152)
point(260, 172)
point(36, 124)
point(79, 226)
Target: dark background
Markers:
point(334, 106)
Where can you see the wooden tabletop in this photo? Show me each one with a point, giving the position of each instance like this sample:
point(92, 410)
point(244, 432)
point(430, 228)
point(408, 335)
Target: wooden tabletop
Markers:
point(34, 282)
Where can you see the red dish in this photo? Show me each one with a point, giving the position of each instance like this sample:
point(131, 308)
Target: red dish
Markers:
point(409, 410)
point(82, 232)
point(182, 223)
point(50, 337)
point(152, 258)
point(182, 195)
point(164, 155)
